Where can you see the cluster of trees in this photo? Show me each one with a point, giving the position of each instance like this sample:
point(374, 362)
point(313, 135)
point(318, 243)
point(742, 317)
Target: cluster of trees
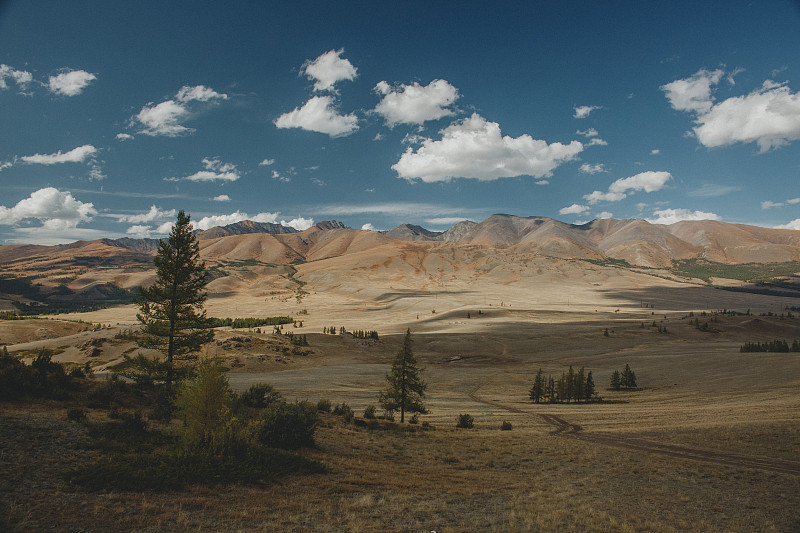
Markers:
point(570, 387)
point(770, 346)
point(237, 323)
point(623, 380)
point(362, 334)
point(333, 331)
point(44, 378)
point(297, 340)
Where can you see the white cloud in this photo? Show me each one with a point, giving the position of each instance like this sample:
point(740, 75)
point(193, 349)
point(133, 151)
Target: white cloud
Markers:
point(474, 148)
point(655, 151)
point(96, 173)
point(21, 78)
point(328, 69)
point(139, 231)
point(6, 164)
point(604, 214)
point(237, 216)
point(448, 221)
point(415, 104)
point(793, 201)
point(709, 190)
point(645, 181)
point(280, 177)
point(318, 182)
point(542, 182)
point(600, 196)
point(378, 137)
point(768, 204)
point(694, 93)
point(584, 111)
point(418, 209)
point(266, 162)
point(71, 82)
point(215, 170)
point(57, 210)
point(198, 93)
point(597, 141)
point(299, 223)
point(320, 115)
point(671, 216)
point(794, 224)
point(153, 214)
point(574, 209)
point(165, 119)
point(76, 155)
point(368, 227)
point(768, 116)
point(124, 136)
point(591, 132)
point(222, 198)
point(587, 168)
point(164, 229)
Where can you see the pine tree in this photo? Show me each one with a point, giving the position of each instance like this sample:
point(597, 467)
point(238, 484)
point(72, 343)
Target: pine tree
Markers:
point(628, 377)
point(580, 385)
point(172, 309)
point(537, 390)
point(589, 387)
point(406, 387)
point(616, 380)
point(570, 385)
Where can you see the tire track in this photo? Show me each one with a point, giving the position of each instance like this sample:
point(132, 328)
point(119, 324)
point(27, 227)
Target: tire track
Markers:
point(564, 429)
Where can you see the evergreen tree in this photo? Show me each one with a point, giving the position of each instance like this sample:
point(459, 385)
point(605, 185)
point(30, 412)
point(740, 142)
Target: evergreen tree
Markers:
point(570, 385)
point(580, 384)
point(589, 387)
point(406, 387)
point(616, 380)
point(537, 391)
point(628, 377)
point(551, 389)
point(172, 309)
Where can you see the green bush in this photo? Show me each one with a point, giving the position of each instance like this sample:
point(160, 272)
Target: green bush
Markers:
point(369, 412)
point(288, 425)
point(260, 395)
point(506, 426)
point(345, 411)
point(76, 415)
point(324, 405)
point(107, 393)
point(465, 421)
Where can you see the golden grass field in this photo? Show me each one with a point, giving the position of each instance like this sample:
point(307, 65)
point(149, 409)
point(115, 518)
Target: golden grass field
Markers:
point(710, 443)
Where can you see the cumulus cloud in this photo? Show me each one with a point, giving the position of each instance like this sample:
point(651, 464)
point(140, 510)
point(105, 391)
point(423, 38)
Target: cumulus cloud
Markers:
point(693, 94)
point(319, 114)
point(140, 231)
point(280, 177)
point(215, 170)
point(584, 111)
point(266, 162)
point(768, 204)
point(794, 224)
point(70, 82)
point(604, 214)
point(474, 148)
point(76, 155)
point(574, 209)
point(328, 69)
point(768, 116)
point(299, 223)
point(645, 181)
point(237, 216)
point(21, 78)
point(153, 214)
point(166, 118)
point(671, 216)
point(597, 141)
point(222, 198)
point(124, 136)
point(793, 201)
point(591, 132)
point(56, 210)
point(587, 168)
point(415, 104)
point(600, 196)
point(368, 227)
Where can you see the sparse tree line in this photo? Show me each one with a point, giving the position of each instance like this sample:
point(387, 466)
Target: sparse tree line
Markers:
point(249, 323)
point(570, 387)
point(779, 346)
point(357, 334)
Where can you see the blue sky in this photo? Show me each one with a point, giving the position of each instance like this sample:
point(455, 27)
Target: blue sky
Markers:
point(113, 115)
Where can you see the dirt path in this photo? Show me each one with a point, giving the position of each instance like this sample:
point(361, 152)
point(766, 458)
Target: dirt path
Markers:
point(562, 428)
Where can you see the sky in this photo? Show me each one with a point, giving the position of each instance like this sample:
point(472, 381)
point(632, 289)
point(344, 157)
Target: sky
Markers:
point(115, 115)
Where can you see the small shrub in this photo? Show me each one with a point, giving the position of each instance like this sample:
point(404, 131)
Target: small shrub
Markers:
point(369, 412)
point(76, 415)
point(506, 426)
point(260, 395)
point(324, 405)
point(465, 421)
point(107, 393)
point(414, 419)
point(345, 411)
point(288, 425)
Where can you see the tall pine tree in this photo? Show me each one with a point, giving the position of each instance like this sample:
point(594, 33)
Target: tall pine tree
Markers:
point(406, 387)
point(172, 309)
